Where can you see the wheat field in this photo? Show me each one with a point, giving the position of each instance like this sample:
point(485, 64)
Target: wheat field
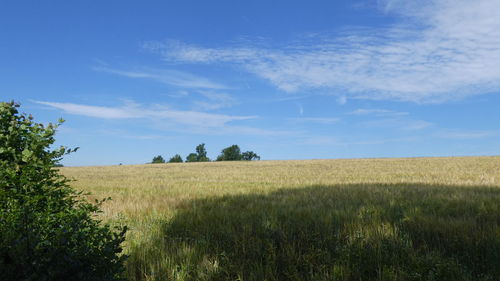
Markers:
point(346, 219)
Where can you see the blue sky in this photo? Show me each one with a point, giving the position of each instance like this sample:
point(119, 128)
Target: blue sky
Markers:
point(286, 79)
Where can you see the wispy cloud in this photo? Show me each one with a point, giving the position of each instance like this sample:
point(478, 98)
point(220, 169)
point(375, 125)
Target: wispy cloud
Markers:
point(243, 130)
point(342, 100)
point(467, 134)
point(402, 124)
point(123, 112)
point(325, 140)
point(214, 100)
point(377, 112)
point(320, 120)
point(165, 119)
point(384, 141)
point(301, 109)
point(166, 76)
point(441, 50)
point(133, 110)
point(128, 135)
point(321, 140)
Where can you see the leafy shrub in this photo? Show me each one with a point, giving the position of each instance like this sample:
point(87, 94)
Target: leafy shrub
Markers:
point(47, 231)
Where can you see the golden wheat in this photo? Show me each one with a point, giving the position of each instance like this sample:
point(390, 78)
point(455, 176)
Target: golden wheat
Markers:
point(158, 201)
point(143, 190)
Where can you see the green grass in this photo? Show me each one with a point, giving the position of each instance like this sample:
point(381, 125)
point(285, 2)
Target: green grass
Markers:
point(351, 232)
point(369, 219)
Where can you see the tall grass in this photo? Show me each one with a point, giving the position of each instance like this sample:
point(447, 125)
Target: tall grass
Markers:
point(367, 219)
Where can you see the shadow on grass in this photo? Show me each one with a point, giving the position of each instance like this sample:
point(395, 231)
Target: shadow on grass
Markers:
point(339, 232)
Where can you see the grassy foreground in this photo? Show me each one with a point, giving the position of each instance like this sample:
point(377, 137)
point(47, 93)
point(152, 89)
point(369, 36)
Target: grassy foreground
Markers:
point(359, 219)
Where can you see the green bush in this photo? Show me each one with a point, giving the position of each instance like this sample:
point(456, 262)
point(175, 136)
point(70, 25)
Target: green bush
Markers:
point(47, 230)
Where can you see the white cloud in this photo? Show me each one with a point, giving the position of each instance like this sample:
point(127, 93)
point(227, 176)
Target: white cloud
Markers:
point(95, 111)
point(342, 100)
point(164, 118)
point(242, 130)
point(166, 76)
point(442, 50)
point(320, 120)
point(385, 141)
point(324, 140)
point(133, 110)
point(464, 134)
point(214, 100)
point(407, 125)
point(301, 109)
point(321, 140)
point(377, 112)
point(127, 135)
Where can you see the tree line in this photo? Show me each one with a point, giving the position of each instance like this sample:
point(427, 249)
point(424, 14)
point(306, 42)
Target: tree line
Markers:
point(230, 153)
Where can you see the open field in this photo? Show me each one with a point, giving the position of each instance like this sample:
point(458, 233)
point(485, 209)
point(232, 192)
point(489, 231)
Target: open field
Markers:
point(356, 219)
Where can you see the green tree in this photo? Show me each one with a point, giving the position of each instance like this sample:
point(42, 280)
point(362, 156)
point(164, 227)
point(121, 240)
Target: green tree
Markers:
point(175, 159)
point(192, 157)
point(231, 153)
point(249, 156)
point(201, 153)
point(158, 159)
point(47, 230)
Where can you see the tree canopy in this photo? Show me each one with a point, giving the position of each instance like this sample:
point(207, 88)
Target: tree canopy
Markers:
point(249, 156)
point(201, 153)
point(192, 157)
point(158, 160)
point(199, 156)
point(231, 153)
point(175, 159)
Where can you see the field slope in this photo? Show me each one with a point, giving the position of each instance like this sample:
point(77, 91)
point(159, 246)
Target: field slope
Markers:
point(353, 219)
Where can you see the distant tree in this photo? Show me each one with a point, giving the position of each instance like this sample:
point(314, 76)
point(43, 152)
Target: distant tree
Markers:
point(231, 153)
point(175, 159)
point(158, 159)
point(249, 156)
point(199, 156)
point(192, 157)
point(201, 153)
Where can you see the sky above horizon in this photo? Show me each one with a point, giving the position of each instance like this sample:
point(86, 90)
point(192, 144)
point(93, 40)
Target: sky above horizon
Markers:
point(285, 79)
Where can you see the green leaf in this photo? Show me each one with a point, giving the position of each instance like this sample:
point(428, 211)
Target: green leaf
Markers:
point(26, 155)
